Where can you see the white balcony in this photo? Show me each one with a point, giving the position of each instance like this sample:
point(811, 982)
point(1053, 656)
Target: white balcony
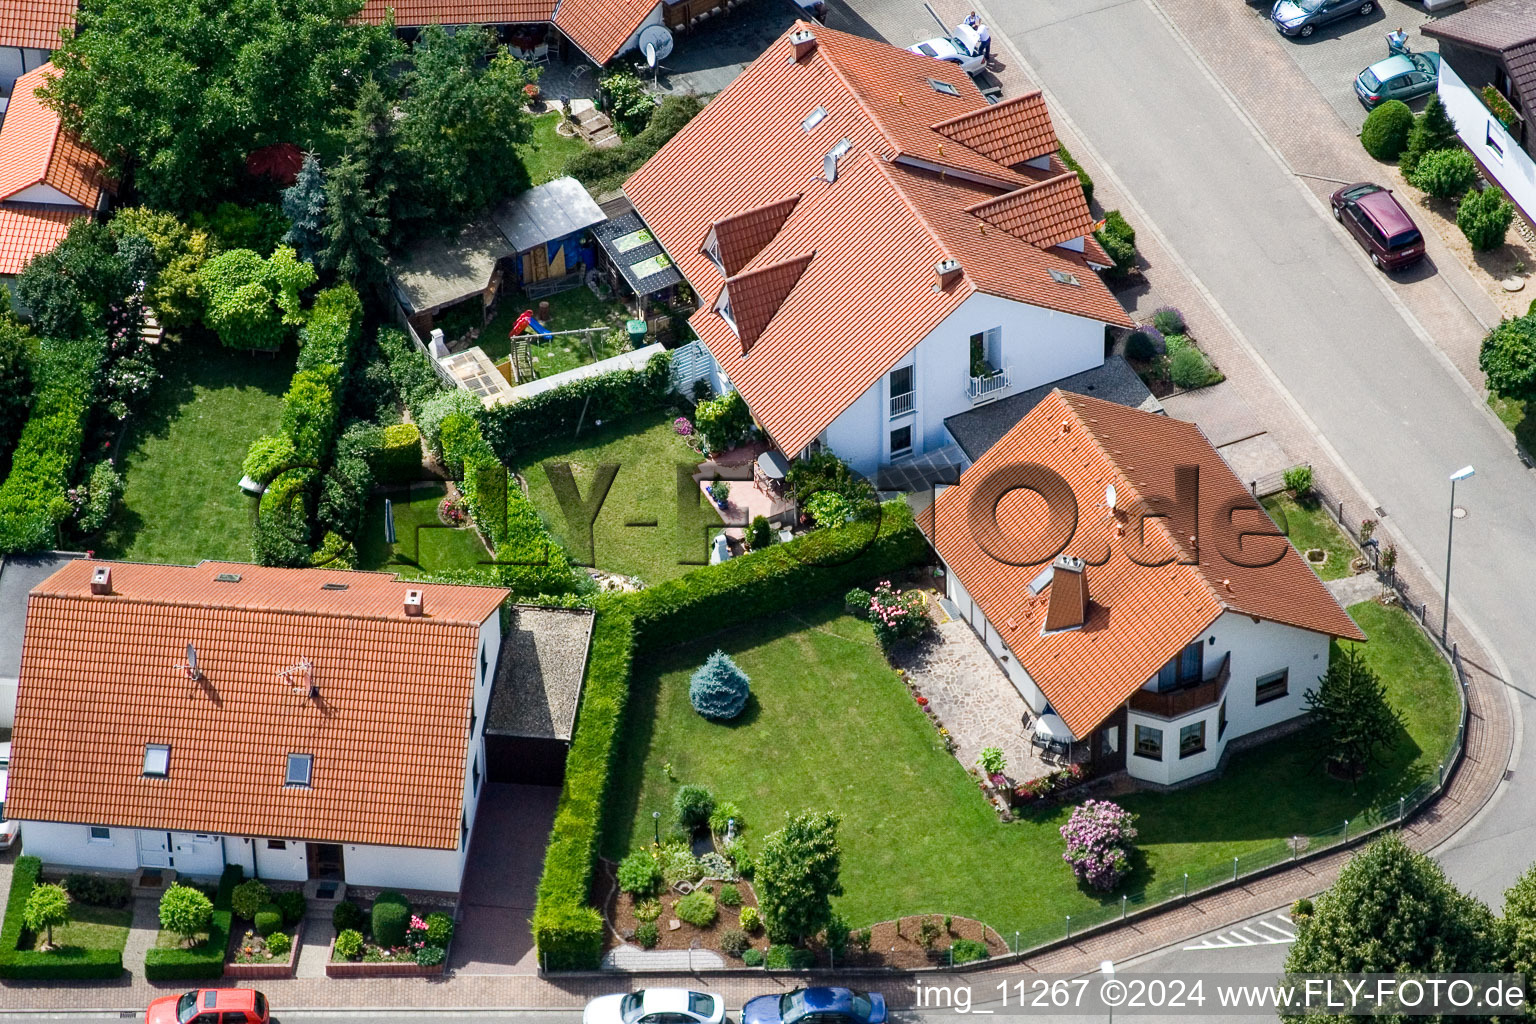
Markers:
point(903, 404)
point(991, 385)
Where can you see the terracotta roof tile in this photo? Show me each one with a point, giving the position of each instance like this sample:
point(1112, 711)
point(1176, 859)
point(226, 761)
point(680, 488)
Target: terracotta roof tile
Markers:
point(742, 236)
point(1139, 616)
point(388, 730)
point(757, 295)
point(898, 206)
point(36, 150)
point(1008, 133)
point(416, 13)
point(1045, 214)
point(35, 24)
point(600, 27)
point(27, 230)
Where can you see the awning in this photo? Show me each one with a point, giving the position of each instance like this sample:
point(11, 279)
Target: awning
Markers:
point(634, 250)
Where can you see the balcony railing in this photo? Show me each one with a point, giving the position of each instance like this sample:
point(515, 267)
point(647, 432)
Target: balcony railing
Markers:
point(902, 404)
point(1178, 703)
point(990, 385)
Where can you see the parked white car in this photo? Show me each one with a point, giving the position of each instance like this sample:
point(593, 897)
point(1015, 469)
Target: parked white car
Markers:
point(962, 48)
point(9, 830)
point(656, 1006)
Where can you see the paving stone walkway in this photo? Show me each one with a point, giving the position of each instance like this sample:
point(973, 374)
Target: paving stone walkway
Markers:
point(633, 958)
point(141, 935)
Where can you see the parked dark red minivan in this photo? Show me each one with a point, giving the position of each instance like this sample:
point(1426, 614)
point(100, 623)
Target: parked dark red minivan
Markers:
point(1380, 224)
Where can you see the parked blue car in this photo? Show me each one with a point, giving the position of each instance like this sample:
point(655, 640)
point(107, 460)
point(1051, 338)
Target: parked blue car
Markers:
point(1302, 17)
point(826, 1005)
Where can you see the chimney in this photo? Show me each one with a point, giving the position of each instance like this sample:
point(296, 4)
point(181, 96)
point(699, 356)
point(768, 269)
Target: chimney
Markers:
point(803, 40)
point(101, 579)
point(948, 270)
point(414, 605)
point(1068, 608)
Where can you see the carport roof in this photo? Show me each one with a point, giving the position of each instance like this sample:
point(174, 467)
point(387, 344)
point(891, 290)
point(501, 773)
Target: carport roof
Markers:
point(439, 272)
point(538, 679)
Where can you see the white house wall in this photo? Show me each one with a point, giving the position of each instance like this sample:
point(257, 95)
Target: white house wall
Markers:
point(1513, 168)
point(1038, 346)
point(72, 846)
point(395, 867)
point(654, 18)
point(281, 860)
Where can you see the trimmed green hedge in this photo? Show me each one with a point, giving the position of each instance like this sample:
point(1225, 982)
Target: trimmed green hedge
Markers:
point(206, 961)
point(59, 965)
point(330, 336)
point(554, 413)
point(567, 930)
point(398, 458)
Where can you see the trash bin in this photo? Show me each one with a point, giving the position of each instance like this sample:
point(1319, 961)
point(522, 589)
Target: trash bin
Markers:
point(636, 333)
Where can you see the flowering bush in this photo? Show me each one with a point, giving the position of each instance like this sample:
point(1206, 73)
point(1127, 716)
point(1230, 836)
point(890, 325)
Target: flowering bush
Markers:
point(1098, 836)
point(416, 934)
point(897, 615)
point(682, 426)
point(1039, 789)
point(453, 511)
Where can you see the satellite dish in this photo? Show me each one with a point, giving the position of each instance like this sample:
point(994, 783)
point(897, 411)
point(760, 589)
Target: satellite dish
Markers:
point(656, 43)
point(1110, 496)
point(192, 659)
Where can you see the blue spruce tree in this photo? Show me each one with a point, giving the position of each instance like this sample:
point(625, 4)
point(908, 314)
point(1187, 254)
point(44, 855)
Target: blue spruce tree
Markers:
point(719, 689)
point(304, 205)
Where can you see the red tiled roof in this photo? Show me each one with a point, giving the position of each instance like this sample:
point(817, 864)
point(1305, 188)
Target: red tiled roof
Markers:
point(35, 24)
point(388, 731)
point(757, 295)
point(898, 206)
point(1008, 133)
point(36, 150)
point(1139, 616)
point(1045, 214)
point(416, 13)
point(600, 27)
point(27, 231)
point(742, 236)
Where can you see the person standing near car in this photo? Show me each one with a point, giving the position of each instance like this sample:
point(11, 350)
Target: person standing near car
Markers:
point(984, 34)
point(972, 20)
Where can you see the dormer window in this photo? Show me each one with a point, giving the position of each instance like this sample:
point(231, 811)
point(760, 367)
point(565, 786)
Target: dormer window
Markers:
point(723, 307)
point(300, 768)
point(157, 760)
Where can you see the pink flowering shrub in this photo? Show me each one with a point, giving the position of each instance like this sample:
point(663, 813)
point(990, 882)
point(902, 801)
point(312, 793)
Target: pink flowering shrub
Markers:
point(1098, 836)
point(682, 426)
point(416, 934)
point(897, 615)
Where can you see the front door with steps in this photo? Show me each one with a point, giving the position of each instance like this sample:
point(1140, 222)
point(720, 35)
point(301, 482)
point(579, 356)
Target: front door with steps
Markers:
point(155, 850)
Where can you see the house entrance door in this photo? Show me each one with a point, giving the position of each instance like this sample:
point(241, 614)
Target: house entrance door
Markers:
point(155, 850)
point(325, 860)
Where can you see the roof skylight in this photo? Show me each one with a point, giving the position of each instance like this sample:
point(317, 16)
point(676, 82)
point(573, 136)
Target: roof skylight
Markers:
point(943, 87)
point(157, 759)
point(300, 767)
point(1062, 277)
point(813, 119)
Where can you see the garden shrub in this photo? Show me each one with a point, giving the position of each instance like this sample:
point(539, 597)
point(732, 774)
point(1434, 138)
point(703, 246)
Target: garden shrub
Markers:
point(430, 955)
point(58, 965)
point(629, 103)
point(1077, 168)
point(1484, 217)
point(1433, 129)
point(438, 408)
point(784, 957)
point(761, 533)
point(715, 865)
point(47, 908)
point(439, 929)
point(729, 896)
point(725, 421)
point(606, 168)
point(1138, 346)
point(391, 918)
point(206, 960)
point(398, 458)
point(828, 508)
point(898, 615)
point(349, 944)
point(554, 413)
point(269, 919)
point(734, 942)
point(279, 943)
point(647, 934)
point(857, 601)
point(99, 891)
point(253, 302)
point(173, 291)
point(293, 905)
point(1168, 320)
point(1385, 132)
point(1508, 357)
point(725, 813)
point(697, 908)
point(348, 916)
point(249, 897)
point(752, 958)
point(640, 874)
point(410, 369)
point(97, 497)
point(310, 408)
point(186, 911)
point(647, 910)
point(718, 690)
point(835, 938)
point(330, 334)
point(344, 493)
point(1099, 836)
point(1119, 240)
point(1188, 368)
point(751, 919)
point(1445, 173)
point(691, 807)
point(678, 864)
point(1298, 480)
point(268, 456)
point(965, 951)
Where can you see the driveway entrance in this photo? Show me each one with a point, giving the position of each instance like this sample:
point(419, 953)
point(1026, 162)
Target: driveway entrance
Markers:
point(506, 854)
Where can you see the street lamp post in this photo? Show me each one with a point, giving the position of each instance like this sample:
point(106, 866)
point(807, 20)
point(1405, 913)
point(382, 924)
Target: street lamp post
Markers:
point(1450, 532)
point(656, 820)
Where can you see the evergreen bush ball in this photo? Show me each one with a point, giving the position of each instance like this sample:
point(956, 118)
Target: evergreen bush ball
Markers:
point(719, 689)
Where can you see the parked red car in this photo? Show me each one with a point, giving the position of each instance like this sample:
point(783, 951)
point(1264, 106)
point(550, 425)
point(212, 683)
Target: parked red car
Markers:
point(1380, 224)
point(210, 1006)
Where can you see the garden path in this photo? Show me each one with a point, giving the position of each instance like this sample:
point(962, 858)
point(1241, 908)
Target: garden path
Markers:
point(316, 949)
point(141, 934)
point(1354, 589)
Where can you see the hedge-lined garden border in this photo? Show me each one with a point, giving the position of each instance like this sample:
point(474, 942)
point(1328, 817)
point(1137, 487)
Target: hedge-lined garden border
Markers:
point(567, 929)
point(205, 961)
point(30, 965)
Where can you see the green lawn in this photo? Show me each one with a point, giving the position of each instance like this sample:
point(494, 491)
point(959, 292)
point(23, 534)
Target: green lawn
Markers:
point(831, 726)
point(568, 311)
point(92, 927)
point(647, 451)
point(181, 499)
point(1512, 413)
point(1309, 525)
point(547, 153)
point(417, 551)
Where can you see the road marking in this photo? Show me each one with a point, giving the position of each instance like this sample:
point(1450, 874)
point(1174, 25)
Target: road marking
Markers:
point(1250, 935)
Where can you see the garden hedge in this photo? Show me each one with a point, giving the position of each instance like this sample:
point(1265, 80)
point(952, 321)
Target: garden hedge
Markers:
point(205, 961)
point(330, 336)
point(554, 413)
point(398, 458)
point(32, 499)
point(29, 965)
point(567, 929)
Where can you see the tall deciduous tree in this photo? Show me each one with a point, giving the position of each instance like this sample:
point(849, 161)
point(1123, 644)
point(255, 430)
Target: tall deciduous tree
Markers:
point(178, 92)
point(304, 206)
point(1351, 708)
point(463, 120)
point(83, 281)
point(797, 876)
point(1392, 910)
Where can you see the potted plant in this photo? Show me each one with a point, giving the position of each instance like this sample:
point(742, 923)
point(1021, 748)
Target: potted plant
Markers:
point(720, 492)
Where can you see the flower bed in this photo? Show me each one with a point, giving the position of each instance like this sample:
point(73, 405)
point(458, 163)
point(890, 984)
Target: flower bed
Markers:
point(378, 968)
point(389, 941)
point(250, 958)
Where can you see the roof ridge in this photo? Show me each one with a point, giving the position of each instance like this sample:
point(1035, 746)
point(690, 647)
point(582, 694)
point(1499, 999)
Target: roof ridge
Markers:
point(157, 602)
point(858, 97)
point(1033, 186)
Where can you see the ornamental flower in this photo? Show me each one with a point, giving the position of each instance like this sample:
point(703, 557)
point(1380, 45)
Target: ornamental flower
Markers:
point(682, 426)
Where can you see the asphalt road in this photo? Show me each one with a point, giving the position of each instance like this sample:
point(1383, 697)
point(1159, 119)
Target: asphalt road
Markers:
point(1317, 314)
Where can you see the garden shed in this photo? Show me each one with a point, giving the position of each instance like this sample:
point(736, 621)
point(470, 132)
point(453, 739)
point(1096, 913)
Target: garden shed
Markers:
point(545, 227)
point(438, 273)
point(532, 709)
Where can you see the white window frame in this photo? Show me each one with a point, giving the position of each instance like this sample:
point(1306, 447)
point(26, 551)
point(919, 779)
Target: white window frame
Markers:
point(308, 760)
